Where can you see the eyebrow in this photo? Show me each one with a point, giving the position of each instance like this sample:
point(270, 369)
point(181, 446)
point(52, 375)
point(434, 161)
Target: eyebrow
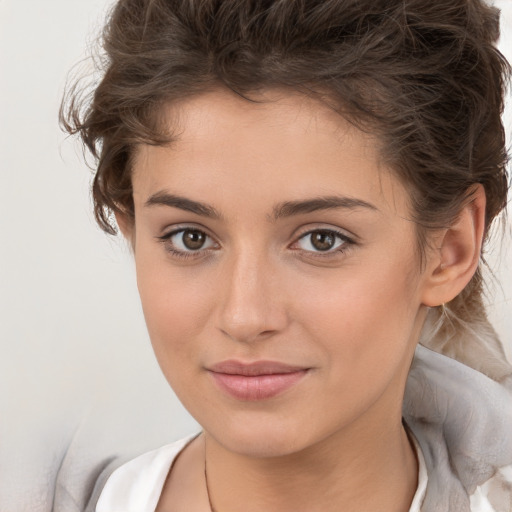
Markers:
point(281, 210)
point(290, 208)
point(165, 199)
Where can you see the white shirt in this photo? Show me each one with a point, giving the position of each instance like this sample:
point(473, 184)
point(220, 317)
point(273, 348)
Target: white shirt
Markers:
point(137, 485)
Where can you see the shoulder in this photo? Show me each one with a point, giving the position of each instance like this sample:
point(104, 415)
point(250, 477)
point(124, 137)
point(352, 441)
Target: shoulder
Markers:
point(136, 485)
point(463, 423)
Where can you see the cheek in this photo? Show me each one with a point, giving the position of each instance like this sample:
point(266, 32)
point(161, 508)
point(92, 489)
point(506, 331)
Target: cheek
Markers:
point(363, 318)
point(176, 309)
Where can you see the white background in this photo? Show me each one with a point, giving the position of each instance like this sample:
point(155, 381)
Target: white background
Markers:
point(73, 342)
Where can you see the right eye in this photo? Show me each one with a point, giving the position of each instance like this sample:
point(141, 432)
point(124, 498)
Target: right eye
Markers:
point(187, 242)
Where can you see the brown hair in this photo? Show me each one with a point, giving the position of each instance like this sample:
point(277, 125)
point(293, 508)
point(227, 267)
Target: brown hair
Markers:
point(424, 76)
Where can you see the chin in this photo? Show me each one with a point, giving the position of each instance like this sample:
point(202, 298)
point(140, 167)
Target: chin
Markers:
point(260, 446)
point(261, 439)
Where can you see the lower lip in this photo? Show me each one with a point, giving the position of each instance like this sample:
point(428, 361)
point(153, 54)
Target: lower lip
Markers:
point(257, 387)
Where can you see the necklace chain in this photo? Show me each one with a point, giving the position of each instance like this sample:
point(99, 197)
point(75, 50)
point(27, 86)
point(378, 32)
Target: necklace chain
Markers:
point(212, 509)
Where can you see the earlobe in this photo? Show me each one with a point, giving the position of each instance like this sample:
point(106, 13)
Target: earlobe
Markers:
point(452, 264)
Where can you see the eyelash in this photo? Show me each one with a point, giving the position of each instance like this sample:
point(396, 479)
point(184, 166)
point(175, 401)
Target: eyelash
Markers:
point(166, 240)
point(347, 243)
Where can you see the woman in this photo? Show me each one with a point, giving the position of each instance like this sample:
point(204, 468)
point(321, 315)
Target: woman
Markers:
point(307, 188)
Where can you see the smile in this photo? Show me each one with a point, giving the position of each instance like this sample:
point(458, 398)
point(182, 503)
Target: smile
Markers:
point(255, 381)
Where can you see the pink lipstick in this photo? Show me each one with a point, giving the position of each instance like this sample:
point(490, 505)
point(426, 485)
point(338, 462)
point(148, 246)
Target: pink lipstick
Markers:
point(255, 381)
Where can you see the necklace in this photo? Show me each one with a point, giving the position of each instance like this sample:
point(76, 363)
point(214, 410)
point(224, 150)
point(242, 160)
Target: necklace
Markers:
point(212, 509)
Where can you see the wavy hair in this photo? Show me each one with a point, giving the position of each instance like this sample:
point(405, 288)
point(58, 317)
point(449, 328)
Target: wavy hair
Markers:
point(424, 76)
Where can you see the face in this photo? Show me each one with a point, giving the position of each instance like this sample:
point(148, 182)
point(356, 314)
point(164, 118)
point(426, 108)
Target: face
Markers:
point(278, 271)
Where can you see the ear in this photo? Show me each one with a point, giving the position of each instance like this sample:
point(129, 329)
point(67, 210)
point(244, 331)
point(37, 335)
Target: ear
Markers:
point(454, 260)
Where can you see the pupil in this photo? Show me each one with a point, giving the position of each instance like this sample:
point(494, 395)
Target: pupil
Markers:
point(322, 241)
point(193, 239)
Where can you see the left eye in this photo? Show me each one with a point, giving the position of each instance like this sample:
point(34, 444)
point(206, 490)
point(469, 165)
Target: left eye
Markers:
point(322, 240)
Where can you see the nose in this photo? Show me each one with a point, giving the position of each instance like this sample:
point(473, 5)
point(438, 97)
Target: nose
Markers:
point(251, 301)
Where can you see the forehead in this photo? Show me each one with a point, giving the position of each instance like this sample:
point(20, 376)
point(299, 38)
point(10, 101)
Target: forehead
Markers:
point(282, 144)
point(222, 118)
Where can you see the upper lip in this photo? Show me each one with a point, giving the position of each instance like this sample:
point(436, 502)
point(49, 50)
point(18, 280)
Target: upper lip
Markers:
point(233, 367)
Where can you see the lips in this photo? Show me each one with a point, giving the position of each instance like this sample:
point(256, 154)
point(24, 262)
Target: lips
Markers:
point(259, 380)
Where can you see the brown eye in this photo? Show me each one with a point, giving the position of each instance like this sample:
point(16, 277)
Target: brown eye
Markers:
point(187, 241)
point(193, 239)
point(323, 240)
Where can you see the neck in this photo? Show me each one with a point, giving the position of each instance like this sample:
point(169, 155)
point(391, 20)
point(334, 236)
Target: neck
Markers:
point(356, 470)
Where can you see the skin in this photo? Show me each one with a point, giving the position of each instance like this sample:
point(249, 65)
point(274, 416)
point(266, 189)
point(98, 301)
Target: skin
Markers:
point(259, 290)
